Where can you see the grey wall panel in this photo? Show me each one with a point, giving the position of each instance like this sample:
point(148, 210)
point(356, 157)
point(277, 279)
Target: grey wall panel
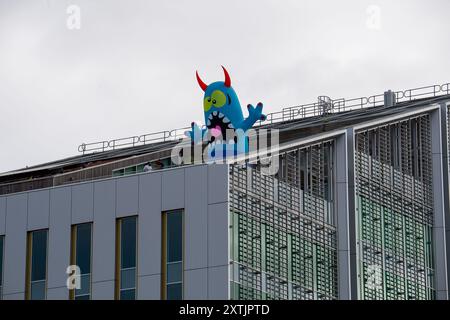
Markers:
point(103, 264)
point(173, 189)
point(82, 203)
point(196, 284)
point(38, 209)
point(218, 229)
point(127, 196)
point(15, 244)
point(103, 290)
point(58, 293)
point(14, 296)
point(344, 159)
point(439, 256)
point(196, 217)
point(2, 215)
point(217, 183)
point(149, 224)
point(59, 237)
point(149, 287)
point(440, 199)
point(218, 283)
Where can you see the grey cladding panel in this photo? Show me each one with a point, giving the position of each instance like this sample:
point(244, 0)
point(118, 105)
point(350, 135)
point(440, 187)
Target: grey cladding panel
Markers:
point(173, 189)
point(149, 287)
point(217, 183)
point(59, 237)
point(38, 209)
point(218, 229)
point(2, 215)
point(82, 203)
point(196, 217)
point(103, 264)
point(149, 261)
point(218, 283)
point(196, 284)
point(15, 244)
point(127, 196)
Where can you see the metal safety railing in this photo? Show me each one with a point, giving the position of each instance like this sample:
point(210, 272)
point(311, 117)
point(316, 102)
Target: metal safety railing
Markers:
point(133, 141)
point(326, 105)
point(323, 106)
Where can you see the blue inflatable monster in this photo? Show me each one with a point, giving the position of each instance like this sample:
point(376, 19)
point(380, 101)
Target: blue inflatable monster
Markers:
point(223, 113)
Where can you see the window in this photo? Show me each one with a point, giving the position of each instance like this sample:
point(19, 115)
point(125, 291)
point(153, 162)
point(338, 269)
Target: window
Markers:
point(138, 168)
point(1, 264)
point(36, 277)
point(126, 245)
point(81, 255)
point(172, 248)
point(129, 170)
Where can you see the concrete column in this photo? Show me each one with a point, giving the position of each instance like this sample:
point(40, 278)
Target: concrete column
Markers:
point(440, 198)
point(345, 207)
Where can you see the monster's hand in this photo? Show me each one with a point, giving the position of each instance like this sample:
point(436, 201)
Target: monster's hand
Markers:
point(196, 133)
point(254, 114)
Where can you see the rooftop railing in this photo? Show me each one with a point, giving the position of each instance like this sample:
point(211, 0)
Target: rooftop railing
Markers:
point(323, 106)
point(161, 136)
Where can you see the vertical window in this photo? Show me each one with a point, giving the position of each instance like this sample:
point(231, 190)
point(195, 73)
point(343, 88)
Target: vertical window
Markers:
point(36, 277)
point(172, 278)
point(81, 254)
point(1, 264)
point(126, 245)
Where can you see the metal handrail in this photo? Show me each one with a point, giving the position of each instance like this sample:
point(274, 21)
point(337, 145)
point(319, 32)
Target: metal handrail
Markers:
point(286, 114)
point(133, 141)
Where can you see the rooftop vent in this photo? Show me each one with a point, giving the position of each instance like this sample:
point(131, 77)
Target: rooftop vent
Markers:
point(389, 98)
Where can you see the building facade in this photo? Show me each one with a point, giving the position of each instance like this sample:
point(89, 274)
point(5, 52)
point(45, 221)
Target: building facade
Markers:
point(358, 209)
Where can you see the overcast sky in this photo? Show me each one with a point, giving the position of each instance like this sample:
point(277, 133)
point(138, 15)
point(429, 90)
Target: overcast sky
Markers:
point(130, 67)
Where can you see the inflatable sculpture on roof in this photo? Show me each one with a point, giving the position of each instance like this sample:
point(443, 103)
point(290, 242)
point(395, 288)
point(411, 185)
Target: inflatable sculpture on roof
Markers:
point(223, 114)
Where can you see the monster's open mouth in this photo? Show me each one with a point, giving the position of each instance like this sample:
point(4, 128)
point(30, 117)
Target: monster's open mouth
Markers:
point(218, 124)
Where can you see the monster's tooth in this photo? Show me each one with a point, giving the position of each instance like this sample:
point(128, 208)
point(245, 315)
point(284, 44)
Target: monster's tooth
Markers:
point(210, 116)
point(221, 115)
point(231, 126)
point(215, 113)
point(208, 123)
point(231, 141)
point(226, 120)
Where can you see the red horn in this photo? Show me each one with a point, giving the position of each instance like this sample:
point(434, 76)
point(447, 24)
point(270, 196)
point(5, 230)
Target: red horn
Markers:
point(200, 82)
point(227, 77)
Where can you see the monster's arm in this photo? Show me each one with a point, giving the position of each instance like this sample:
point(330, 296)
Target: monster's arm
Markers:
point(254, 114)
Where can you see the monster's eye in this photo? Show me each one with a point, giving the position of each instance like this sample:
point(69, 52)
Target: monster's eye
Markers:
point(218, 98)
point(207, 104)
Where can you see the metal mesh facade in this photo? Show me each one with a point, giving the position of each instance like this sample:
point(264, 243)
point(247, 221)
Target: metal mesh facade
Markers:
point(394, 209)
point(283, 235)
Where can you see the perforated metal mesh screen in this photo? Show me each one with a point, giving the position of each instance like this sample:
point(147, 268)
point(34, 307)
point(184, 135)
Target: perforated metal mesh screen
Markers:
point(283, 236)
point(394, 208)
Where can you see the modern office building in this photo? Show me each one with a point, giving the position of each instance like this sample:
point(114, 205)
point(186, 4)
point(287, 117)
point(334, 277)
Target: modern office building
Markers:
point(359, 209)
